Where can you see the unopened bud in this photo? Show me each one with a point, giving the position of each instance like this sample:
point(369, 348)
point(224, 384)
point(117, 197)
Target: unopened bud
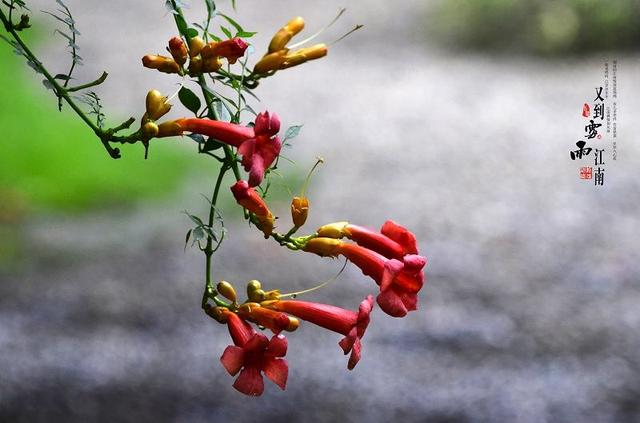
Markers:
point(294, 323)
point(208, 50)
point(195, 66)
point(299, 210)
point(304, 55)
point(195, 46)
point(149, 130)
point(161, 63)
point(284, 34)
point(178, 50)
point(156, 105)
point(324, 247)
point(211, 64)
point(226, 290)
point(333, 230)
point(270, 62)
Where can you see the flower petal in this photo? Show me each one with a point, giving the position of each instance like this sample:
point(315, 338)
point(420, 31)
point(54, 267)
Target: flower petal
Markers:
point(391, 269)
point(232, 359)
point(256, 172)
point(277, 370)
point(356, 353)
point(347, 342)
point(277, 346)
point(250, 382)
point(401, 235)
point(391, 303)
point(257, 343)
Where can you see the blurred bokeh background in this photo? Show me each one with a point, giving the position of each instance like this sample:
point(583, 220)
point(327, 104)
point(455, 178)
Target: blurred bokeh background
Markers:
point(454, 118)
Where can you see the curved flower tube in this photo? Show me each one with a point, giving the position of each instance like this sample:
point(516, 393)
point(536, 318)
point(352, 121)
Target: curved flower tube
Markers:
point(253, 354)
point(259, 146)
point(393, 241)
point(349, 323)
point(248, 198)
point(399, 281)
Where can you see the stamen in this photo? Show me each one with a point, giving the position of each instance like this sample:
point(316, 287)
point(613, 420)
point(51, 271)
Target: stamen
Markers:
point(357, 27)
point(305, 291)
point(306, 40)
point(306, 181)
point(180, 85)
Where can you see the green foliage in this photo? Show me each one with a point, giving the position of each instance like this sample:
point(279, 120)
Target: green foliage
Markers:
point(543, 27)
point(52, 161)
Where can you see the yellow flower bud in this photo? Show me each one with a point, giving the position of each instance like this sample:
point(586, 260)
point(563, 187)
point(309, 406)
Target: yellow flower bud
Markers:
point(270, 62)
point(333, 230)
point(226, 290)
point(195, 46)
point(195, 66)
point(156, 105)
point(324, 247)
point(161, 63)
point(299, 210)
point(304, 55)
point(149, 130)
point(211, 64)
point(294, 323)
point(284, 34)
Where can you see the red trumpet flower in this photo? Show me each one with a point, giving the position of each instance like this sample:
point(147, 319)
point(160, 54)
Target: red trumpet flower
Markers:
point(259, 146)
point(253, 353)
point(393, 241)
point(349, 323)
point(399, 281)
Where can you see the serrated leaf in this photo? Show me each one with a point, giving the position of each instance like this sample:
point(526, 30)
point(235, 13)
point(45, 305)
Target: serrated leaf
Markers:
point(292, 132)
point(189, 100)
point(226, 31)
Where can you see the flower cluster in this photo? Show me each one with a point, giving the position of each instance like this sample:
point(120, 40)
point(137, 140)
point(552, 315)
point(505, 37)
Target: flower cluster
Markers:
point(203, 58)
point(389, 256)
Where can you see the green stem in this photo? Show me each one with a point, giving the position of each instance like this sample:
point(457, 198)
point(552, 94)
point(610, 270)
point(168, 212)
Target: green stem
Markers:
point(104, 135)
point(89, 84)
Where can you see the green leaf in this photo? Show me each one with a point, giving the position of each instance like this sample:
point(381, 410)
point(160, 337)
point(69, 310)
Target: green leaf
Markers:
point(186, 239)
point(235, 24)
point(62, 77)
point(226, 31)
point(245, 34)
point(181, 24)
point(222, 112)
point(211, 144)
point(211, 7)
point(292, 132)
point(189, 100)
point(198, 233)
point(191, 33)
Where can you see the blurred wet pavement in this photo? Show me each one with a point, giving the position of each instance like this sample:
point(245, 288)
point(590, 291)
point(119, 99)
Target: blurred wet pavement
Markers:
point(530, 312)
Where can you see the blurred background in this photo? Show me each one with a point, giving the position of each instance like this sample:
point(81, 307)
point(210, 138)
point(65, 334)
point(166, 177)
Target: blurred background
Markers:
point(454, 118)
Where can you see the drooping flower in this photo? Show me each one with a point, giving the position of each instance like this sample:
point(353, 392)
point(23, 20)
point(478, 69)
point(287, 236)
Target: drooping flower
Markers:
point(161, 63)
point(248, 198)
point(349, 323)
point(259, 146)
point(299, 210)
point(259, 153)
point(253, 354)
point(399, 280)
point(393, 241)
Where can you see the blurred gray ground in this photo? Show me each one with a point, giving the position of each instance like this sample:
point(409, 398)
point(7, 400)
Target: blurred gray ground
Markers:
point(531, 310)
